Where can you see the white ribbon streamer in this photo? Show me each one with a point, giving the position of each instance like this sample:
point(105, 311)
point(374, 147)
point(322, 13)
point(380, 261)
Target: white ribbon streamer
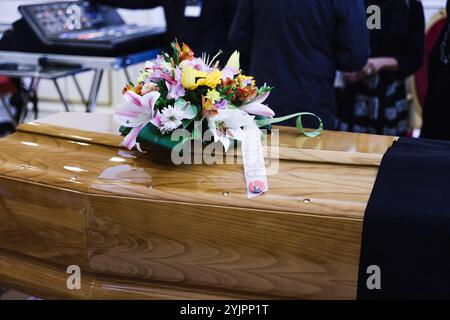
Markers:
point(254, 165)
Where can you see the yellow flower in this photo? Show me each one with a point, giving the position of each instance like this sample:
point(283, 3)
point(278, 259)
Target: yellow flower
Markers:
point(245, 81)
point(213, 95)
point(212, 80)
point(189, 76)
point(234, 61)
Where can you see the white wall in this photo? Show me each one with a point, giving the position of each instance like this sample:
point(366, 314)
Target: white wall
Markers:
point(432, 7)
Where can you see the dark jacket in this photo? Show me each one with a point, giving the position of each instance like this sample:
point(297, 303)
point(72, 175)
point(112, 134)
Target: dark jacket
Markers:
point(436, 111)
point(208, 33)
point(297, 46)
point(401, 35)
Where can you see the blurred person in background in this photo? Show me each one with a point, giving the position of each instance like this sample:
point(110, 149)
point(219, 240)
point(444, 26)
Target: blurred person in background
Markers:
point(375, 98)
point(296, 47)
point(436, 111)
point(202, 24)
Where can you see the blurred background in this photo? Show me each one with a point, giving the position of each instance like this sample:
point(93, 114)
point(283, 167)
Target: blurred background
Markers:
point(113, 80)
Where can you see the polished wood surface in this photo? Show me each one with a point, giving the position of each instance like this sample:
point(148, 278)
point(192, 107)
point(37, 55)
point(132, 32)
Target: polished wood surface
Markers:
point(48, 281)
point(96, 168)
point(70, 195)
point(43, 222)
point(254, 251)
point(82, 127)
point(332, 147)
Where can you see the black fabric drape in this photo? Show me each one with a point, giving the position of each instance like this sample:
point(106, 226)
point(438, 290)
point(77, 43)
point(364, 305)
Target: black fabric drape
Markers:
point(407, 223)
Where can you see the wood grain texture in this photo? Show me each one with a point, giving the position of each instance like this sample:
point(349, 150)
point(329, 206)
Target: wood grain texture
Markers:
point(289, 255)
point(43, 222)
point(132, 217)
point(43, 280)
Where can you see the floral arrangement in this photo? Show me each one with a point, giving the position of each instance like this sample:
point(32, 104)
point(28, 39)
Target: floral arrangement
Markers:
point(182, 91)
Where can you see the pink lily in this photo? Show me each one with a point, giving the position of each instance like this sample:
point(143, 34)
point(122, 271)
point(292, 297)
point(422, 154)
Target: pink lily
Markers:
point(175, 88)
point(136, 113)
point(256, 106)
point(229, 73)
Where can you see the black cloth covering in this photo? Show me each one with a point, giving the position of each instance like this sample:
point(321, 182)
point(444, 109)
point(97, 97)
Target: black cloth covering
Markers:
point(407, 223)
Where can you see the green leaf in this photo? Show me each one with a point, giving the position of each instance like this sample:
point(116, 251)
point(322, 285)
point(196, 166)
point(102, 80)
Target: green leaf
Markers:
point(264, 89)
point(187, 122)
point(151, 135)
point(224, 90)
point(166, 57)
point(180, 103)
point(176, 55)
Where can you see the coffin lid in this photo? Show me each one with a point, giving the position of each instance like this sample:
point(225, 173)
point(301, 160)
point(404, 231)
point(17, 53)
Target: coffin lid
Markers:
point(329, 175)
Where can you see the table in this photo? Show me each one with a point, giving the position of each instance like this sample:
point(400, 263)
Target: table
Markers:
point(36, 73)
point(70, 65)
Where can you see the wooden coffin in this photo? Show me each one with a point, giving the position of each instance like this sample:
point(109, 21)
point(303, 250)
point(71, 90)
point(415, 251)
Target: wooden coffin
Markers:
point(141, 227)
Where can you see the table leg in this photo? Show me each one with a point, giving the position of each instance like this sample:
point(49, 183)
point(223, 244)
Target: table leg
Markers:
point(127, 75)
point(80, 92)
point(36, 100)
point(8, 110)
point(32, 88)
point(94, 90)
point(61, 96)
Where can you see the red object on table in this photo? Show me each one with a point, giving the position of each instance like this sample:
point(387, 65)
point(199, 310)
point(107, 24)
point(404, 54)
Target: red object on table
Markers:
point(7, 86)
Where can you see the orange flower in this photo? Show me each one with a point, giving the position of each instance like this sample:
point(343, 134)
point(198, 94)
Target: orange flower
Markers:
point(231, 84)
point(138, 89)
point(129, 87)
point(185, 52)
point(246, 94)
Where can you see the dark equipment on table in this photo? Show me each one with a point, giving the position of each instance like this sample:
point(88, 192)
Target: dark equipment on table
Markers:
point(78, 28)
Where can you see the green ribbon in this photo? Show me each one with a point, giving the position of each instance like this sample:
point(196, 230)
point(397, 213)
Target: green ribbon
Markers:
point(269, 121)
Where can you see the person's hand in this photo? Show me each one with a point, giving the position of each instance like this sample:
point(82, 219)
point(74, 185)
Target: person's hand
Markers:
point(374, 66)
point(354, 76)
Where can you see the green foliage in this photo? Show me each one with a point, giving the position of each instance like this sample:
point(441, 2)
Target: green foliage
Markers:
point(162, 101)
point(151, 134)
point(176, 54)
point(264, 89)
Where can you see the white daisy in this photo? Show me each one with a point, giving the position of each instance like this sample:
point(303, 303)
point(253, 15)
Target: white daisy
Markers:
point(171, 119)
